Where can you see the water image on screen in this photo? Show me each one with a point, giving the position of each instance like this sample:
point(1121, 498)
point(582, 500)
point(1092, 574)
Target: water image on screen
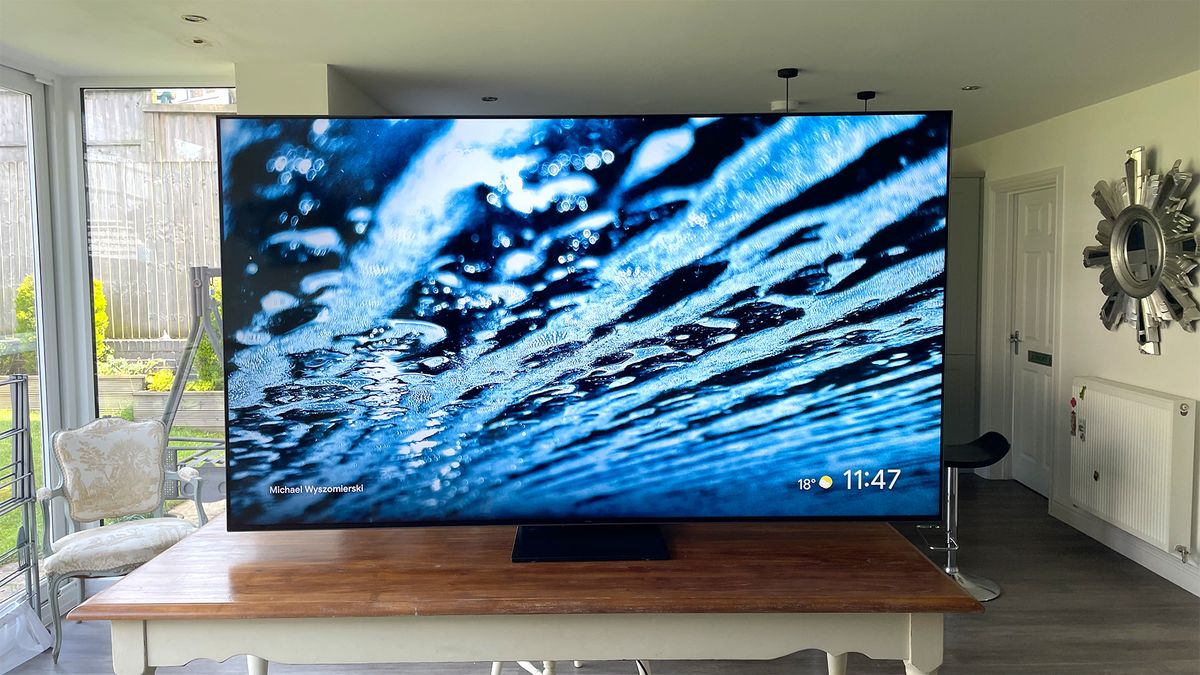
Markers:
point(591, 319)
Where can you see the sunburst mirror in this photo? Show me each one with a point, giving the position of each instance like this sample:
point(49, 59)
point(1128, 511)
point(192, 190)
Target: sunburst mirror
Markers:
point(1148, 249)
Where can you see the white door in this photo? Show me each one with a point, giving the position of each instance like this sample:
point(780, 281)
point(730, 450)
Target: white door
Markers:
point(1032, 338)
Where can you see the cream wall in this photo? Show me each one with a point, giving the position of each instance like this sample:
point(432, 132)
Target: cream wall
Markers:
point(282, 88)
point(345, 98)
point(1088, 145)
point(287, 88)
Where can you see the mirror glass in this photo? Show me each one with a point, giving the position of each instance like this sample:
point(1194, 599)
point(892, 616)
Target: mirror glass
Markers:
point(1142, 256)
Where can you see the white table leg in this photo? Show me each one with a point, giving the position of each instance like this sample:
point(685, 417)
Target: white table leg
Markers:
point(924, 644)
point(129, 648)
point(578, 664)
point(549, 668)
point(643, 667)
point(255, 665)
point(497, 666)
point(837, 663)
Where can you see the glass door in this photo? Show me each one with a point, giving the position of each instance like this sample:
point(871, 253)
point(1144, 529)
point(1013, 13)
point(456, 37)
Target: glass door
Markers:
point(22, 125)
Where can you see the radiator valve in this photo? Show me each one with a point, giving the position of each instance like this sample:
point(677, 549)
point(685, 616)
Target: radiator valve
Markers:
point(1183, 553)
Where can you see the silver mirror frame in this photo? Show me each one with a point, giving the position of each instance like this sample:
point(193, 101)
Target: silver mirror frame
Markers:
point(1155, 202)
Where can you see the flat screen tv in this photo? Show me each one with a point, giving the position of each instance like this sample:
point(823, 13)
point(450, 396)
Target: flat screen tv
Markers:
point(583, 320)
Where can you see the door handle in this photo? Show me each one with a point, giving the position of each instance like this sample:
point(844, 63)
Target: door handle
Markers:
point(1014, 338)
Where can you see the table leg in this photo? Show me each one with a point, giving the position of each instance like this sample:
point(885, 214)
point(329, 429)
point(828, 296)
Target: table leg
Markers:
point(924, 644)
point(255, 665)
point(837, 663)
point(129, 648)
point(643, 667)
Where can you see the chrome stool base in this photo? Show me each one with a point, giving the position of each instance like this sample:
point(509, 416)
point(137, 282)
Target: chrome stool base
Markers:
point(980, 588)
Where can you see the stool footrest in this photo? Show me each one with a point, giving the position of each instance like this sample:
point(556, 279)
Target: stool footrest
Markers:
point(942, 542)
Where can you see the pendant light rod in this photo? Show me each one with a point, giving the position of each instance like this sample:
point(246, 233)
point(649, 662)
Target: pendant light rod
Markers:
point(786, 74)
point(864, 96)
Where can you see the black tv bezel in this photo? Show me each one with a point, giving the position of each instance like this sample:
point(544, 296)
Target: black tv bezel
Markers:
point(234, 525)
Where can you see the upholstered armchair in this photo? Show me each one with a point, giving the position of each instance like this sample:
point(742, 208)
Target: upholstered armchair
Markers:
point(111, 468)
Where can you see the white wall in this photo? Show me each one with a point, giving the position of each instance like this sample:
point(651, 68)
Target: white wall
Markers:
point(1088, 145)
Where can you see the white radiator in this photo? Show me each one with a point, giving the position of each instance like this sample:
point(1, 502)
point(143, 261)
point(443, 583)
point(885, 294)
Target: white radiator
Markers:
point(1133, 459)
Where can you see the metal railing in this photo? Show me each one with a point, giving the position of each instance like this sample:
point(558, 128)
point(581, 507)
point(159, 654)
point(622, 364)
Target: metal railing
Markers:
point(18, 493)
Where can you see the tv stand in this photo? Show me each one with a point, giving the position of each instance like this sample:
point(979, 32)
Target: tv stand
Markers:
point(574, 543)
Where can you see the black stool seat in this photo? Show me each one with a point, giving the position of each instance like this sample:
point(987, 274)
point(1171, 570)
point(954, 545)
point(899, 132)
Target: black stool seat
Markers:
point(983, 451)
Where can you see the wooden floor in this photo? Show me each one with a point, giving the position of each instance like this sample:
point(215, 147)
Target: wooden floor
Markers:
point(1070, 607)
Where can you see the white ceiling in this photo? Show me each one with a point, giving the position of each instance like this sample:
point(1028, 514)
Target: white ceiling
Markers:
point(1033, 59)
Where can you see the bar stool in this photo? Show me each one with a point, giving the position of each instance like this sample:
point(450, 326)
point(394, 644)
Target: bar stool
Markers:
point(983, 451)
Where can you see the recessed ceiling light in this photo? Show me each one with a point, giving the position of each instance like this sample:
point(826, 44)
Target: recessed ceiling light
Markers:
point(194, 18)
point(489, 99)
point(972, 87)
point(199, 42)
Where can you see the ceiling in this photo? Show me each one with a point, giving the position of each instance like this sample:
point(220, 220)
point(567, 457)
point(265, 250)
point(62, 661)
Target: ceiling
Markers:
point(1033, 60)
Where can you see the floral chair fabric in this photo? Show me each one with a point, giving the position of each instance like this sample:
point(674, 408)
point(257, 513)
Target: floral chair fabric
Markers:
point(112, 467)
point(115, 547)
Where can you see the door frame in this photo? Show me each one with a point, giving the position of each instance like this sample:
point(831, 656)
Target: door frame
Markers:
point(997, 288)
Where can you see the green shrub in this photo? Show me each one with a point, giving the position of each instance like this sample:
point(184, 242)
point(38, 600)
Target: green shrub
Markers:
point(25, 359)
point(126, 412)
point(26, 315)
point(100, 320)
point(208, 366)
point(160, 380)
point(203, 385)
point(210, 372)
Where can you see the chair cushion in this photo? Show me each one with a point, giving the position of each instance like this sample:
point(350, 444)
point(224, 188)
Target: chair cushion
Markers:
point(116, 546)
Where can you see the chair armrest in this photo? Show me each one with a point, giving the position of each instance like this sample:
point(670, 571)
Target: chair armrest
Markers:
point(44, 495)
point(189, 476)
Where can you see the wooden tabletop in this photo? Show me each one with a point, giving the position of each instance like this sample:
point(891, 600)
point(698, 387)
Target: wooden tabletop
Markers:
point(715, 567)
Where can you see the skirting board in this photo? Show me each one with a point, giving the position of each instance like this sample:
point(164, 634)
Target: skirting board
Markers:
point(1154, 559)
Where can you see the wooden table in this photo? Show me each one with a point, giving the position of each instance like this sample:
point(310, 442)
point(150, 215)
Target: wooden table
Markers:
point(731, 591)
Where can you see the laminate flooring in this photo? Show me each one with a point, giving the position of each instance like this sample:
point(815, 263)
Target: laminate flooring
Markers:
point(1071, 606)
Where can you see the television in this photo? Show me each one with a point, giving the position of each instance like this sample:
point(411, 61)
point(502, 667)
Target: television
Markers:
point(612, 320)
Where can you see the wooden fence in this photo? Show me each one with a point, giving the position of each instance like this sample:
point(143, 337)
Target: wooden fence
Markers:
point(16, 232)
point(153, 207)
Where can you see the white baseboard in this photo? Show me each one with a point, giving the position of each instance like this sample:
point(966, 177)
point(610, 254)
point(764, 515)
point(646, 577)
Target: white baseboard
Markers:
point(1165, 565)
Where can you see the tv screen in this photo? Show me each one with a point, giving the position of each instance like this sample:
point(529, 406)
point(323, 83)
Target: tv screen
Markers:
point(591, 319)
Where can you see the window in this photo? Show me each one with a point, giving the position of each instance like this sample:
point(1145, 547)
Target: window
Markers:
point(150, 157)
